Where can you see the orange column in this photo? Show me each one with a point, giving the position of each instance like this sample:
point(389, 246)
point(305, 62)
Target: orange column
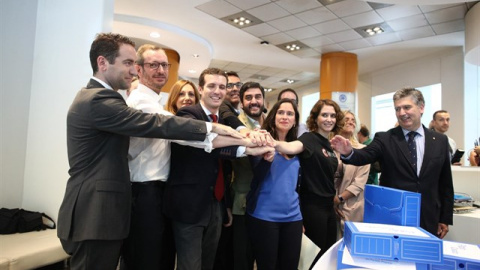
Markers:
point(338, 73)
point(174, 59)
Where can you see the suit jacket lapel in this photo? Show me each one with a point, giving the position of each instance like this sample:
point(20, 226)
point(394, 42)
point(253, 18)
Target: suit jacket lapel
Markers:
point(427, 155)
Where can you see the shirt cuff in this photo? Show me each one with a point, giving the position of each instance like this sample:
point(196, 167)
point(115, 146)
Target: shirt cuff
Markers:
point(241, 151)
point(208, 141)
point(346, 157)
point(209, 127)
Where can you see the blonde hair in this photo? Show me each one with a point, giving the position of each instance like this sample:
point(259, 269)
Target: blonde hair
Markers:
point(171, 105)
point(353, 139)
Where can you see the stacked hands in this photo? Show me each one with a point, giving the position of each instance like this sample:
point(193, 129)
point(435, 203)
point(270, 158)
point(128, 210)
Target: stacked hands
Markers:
point(257, 142)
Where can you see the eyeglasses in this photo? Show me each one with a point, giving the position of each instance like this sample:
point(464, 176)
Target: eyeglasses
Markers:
point(156, 65)
point(231, 85)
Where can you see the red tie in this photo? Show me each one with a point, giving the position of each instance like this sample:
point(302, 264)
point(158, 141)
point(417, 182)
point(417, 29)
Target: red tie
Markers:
point(219, 185)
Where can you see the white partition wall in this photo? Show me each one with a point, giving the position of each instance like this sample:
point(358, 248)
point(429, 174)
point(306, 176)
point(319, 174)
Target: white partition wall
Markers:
point(55, 67)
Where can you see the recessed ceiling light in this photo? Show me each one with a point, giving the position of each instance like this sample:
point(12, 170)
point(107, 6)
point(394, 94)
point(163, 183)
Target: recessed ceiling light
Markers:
point(154, 34)
point(192, 71)
point(293, 47)
point(374, 30)
point(195, 55)
point(241, 21)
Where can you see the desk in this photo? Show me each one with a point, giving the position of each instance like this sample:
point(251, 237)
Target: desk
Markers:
point(466, 228)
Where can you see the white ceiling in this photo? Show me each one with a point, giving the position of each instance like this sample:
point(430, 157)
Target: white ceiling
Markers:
point(196, 27)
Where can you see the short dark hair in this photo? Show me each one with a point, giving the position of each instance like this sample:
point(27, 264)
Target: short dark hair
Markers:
point(364, 131)
point(414, 93)
point(287, 90)
point(232, 73)
point(437, 112)
point(317, 108)
point(249, 85)
point(108, 46)
point(269, 122)
point(210, 71)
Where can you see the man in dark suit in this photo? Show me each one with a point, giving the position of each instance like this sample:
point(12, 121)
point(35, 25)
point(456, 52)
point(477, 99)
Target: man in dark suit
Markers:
point(192, 200)
point(412, 158)
point(95, 213)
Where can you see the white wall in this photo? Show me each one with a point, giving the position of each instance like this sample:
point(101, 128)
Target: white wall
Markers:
point(16, 78)
point(445, 68)
point(40, 87)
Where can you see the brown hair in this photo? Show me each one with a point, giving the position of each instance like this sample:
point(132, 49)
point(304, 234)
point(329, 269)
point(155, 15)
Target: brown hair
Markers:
point(171, 105)
point(312, 118)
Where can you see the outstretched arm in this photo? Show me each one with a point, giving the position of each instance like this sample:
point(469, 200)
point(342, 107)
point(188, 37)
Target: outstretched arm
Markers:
point(341, 145)
point(289, 148)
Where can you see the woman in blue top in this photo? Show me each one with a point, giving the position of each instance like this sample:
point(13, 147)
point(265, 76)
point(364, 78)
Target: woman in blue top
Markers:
point(274, 221)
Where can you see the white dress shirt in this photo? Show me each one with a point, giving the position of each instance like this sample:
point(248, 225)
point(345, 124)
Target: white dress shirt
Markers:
point(149, 158)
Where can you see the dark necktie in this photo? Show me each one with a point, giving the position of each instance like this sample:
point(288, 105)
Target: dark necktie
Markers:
point(413, 149)
point(219, 184)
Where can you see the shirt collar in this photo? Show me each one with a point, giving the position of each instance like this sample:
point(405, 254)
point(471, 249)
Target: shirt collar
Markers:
point(420, 131)
point(207, 112)
point(102, 83)
point(147, 91)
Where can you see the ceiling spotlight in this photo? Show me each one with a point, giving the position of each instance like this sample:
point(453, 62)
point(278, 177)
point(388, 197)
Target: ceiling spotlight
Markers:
point(268, 89)
point(264, 42)
point(195, 55)
point(192, 71)
point(154, 34)
point(290, 81)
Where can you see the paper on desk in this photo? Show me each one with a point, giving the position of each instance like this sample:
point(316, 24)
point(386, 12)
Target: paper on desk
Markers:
point(375, 264)
point(467, 251)
point(390, 229)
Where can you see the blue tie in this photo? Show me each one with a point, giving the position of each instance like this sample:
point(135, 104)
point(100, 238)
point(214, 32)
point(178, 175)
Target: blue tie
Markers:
point(413, 149)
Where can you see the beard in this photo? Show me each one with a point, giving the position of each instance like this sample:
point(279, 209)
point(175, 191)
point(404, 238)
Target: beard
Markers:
point(252, 114)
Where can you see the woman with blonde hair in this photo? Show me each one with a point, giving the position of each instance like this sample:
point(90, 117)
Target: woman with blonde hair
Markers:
point(350, 180)
point(183, 93)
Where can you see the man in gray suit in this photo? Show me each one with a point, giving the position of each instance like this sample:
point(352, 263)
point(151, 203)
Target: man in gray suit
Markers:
point(95, 213)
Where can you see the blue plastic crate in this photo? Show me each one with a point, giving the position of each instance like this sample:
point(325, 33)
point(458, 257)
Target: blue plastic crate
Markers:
point(384, 264)
point(459, 256)
point(393, 242)
point(391, 206)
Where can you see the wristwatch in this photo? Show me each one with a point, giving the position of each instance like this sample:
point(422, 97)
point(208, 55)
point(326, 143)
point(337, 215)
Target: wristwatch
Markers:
point(341, 199)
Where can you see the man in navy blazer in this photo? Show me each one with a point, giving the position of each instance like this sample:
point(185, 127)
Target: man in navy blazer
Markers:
point(94, 216)
point(430, 174)
point(190, 199)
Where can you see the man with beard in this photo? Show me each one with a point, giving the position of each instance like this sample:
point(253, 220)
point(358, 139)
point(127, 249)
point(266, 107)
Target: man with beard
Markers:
point(252, 97)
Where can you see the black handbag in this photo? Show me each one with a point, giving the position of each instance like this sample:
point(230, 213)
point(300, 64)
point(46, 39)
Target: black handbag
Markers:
point(20, 220)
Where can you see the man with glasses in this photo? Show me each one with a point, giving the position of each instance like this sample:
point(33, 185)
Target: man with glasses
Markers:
point(289, 93)
point(150, 244)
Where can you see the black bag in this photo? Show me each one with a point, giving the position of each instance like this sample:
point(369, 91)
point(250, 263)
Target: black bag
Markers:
point(20, 220)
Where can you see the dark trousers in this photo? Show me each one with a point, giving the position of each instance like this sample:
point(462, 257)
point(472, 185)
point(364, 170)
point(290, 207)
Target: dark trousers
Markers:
point(242, 248)
point(93, 254)
point(150, 244)
point(197, 243)
point(276, 245)
point(224, 256)
point(319, 220)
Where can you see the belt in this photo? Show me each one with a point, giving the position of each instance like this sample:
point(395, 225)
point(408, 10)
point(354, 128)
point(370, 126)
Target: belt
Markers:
point(149, 183)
